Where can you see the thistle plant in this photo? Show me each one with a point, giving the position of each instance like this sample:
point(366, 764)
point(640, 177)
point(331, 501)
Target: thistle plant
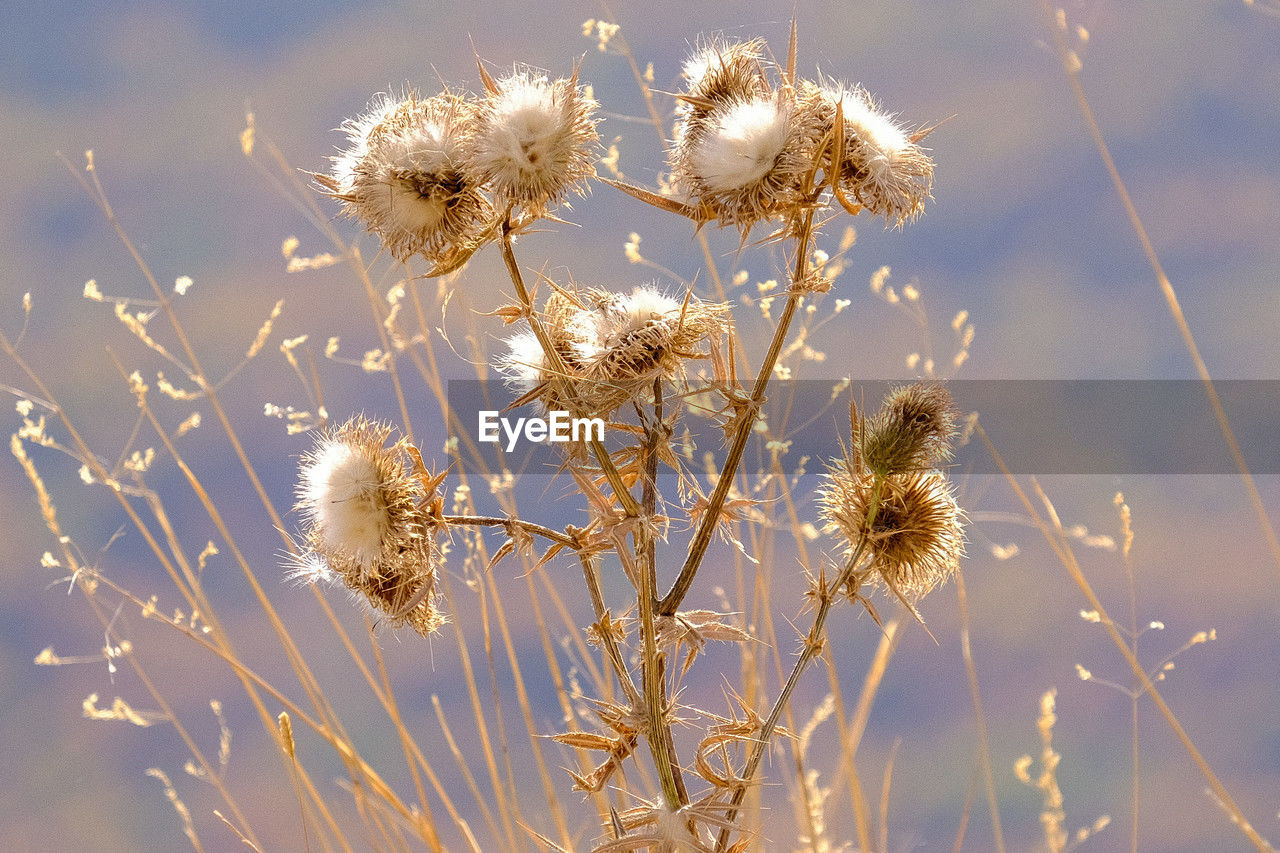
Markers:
point(757, 149)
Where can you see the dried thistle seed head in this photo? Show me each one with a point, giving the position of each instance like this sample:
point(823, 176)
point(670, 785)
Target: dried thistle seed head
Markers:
point(880, 165)
point(527, 368)
point(913, 430)
point(746, 159)
point(722, 73)
point(534, 140)
point(361, 504)
point(915, 540)
point(646, 334)
point(403, 176)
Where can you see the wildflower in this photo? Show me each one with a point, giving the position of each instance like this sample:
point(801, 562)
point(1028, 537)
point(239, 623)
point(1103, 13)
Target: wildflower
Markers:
point(912, 430)
point(745, 160)
point(403, 177)
point(914, 538)
point(534, 140)
point(880, 165)
point(361, 505)
point(646, 334)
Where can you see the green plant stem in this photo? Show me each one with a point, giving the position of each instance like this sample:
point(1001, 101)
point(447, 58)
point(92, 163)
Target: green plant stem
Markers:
point(707, 525)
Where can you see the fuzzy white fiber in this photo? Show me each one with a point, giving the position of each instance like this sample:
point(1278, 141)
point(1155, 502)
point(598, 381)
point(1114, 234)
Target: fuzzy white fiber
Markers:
point(743, 145)
point(342, 491)
point(874, 128)
point(526, 136)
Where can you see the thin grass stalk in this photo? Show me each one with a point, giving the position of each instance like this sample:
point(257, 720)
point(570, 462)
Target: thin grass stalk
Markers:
point(1166, 287)
point(427, 822)
point(464, 768)
point(526, 708)
point(482, 725)
point(979, 716)
point(1067, 557)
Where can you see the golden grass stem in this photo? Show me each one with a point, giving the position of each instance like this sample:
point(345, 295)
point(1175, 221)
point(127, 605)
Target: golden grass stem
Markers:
point(1166, 287)
point(1068, 559)
point(979, 716)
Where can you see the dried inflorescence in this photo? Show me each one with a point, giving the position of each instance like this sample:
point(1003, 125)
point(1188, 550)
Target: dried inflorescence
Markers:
point(912, 431)
point(880, 164)
point(365, 508)
point(913, 541)
point(742, 148)
point(534, 140)
point(404, 176)
point(747, 150)
point(424, 175)
point(611, 347)
point(887, 498)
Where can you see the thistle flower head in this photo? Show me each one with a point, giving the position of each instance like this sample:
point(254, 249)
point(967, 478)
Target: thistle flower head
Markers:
point(402, 175)
point(745, 159)
point(645, 334)
point(361, 506)
point(530, 371)
point(720, 73)
point(913, 430)
point(914, 540)
point(534, 139)
point(880, 164)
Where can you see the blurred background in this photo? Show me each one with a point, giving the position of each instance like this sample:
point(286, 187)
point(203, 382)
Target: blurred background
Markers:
point(1025, 233)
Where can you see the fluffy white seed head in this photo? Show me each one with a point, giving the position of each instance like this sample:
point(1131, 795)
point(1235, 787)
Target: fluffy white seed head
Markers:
point(525, 363)
point(534, 140)
point(742, 145)
point(366, 523)
point(720, 73)
point(342, 493)
point(403, 177)
point(881, 166)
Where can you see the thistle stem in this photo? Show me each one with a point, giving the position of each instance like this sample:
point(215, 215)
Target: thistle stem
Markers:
point(812, 646)
point(707, 525)
point(619, 486)
point(654, 681)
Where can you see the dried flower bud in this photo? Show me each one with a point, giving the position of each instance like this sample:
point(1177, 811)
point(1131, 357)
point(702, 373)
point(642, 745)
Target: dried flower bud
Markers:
point(403, 177)
point(915, 539)
point(535, 140)
point(912, 430)
point(880, 166)
point(361, 505)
